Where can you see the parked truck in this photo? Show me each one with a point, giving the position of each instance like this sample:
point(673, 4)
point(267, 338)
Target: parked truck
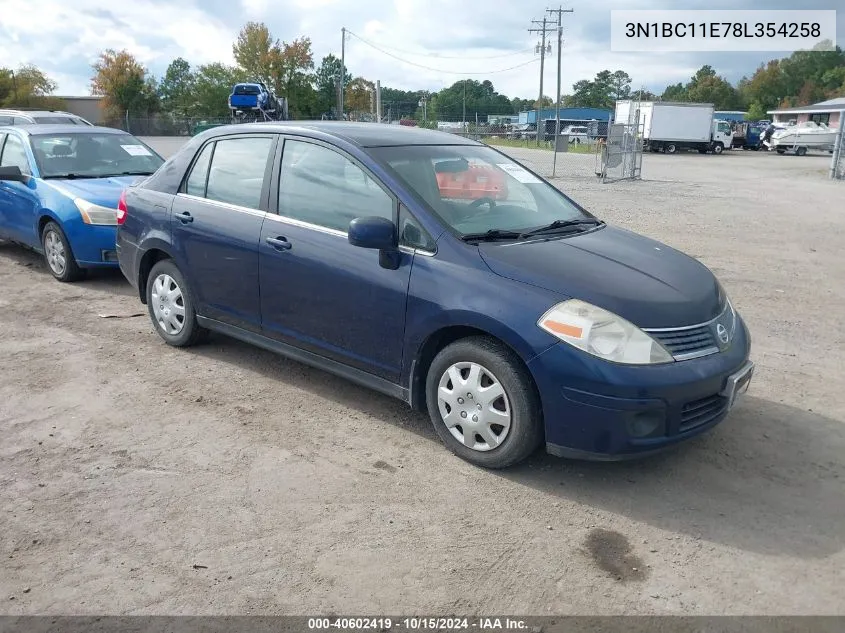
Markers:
point(668, 126)
point(254, 101)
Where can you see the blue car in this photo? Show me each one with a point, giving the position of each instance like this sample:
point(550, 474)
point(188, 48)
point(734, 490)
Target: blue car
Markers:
point(59, 191)
point(440, 271)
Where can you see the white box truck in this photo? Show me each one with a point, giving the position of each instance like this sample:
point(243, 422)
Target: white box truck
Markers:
point(669, 126)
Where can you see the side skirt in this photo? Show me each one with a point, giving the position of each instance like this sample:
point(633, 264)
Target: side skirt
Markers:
point(309, 358)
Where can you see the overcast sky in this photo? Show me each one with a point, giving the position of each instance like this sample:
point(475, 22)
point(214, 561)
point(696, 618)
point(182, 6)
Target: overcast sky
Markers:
point(453, 37)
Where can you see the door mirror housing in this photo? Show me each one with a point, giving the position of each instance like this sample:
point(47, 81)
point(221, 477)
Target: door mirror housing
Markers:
point(14, 174)
point(373, 232)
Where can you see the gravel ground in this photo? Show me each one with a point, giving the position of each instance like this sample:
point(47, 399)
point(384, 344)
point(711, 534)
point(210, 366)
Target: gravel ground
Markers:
point(140, 479)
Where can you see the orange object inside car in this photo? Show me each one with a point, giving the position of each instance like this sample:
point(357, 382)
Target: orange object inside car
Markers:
point(479, 181)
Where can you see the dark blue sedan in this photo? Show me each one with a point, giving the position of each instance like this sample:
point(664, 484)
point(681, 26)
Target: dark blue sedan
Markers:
point(440, 271)
point(59, 191)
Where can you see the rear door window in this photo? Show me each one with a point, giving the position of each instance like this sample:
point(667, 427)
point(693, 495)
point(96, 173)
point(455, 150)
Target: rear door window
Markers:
point(236, 175)
point(195, 185)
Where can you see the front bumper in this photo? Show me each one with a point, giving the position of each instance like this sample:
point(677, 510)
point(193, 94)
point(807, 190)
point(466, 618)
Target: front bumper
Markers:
point(594, 409)
point(93, 245)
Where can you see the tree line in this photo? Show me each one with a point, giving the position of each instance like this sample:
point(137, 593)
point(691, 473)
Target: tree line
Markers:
point(288, 68)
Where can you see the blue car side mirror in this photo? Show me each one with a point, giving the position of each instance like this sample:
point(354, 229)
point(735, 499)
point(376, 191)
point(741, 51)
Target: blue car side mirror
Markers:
point(373, 232)
point(376, 233)
point(13, 173)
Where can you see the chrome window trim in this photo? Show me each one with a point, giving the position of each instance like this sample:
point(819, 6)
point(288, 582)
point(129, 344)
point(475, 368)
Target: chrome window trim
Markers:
point(220, 203)
point(291, 221)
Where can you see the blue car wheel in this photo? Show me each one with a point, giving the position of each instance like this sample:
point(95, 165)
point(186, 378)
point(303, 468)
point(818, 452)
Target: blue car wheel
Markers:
point(57, 252)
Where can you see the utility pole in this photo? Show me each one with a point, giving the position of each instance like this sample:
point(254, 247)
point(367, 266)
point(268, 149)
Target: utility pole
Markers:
point(342, 71)
point(464, 119)
point(543, 30)
point(560, 11)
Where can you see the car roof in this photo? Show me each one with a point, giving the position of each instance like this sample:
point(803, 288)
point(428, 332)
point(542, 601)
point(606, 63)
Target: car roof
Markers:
point(361, 134)
point(31, 113)
point(36, 129)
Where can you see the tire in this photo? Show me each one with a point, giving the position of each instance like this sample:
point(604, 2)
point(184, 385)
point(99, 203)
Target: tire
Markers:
point(58, 254)
point(671, 148)
point(483, 363)
point(165, 314)
point(780, 150)
point(718, 148)
point(801, 151)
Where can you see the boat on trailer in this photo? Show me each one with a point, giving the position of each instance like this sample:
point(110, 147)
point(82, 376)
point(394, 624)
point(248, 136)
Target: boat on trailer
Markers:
point(803, 136)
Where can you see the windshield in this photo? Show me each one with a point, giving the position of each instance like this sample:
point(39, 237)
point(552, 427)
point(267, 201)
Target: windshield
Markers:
point(475, 189)
point(92, 155)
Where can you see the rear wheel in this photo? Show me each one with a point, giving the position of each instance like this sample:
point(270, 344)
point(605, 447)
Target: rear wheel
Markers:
point(171, 306)
point(483, 404)
point(671, 148)
point(57, 252)
point(801, 151)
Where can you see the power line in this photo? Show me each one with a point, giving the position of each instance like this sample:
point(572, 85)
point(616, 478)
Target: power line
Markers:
point(437, 56)
point(439, 70)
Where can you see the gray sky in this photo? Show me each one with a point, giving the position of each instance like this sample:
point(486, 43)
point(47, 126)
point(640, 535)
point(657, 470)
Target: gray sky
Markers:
point(454, 38)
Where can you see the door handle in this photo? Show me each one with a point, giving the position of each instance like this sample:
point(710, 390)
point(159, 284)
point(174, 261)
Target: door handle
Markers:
point(184, 217)
point(279, 243)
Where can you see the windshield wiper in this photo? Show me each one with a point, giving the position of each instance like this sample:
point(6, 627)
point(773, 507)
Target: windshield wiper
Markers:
point(492, 234)
point(68, 176)
point(133, 173)
point(558, 225)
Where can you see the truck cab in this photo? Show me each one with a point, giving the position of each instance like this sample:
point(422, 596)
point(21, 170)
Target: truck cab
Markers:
point(722, 136)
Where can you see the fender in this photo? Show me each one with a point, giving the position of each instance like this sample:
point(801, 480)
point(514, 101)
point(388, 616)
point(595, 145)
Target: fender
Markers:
point(154, 240)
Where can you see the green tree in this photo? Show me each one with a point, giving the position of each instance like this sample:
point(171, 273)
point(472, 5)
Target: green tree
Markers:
point(675, 92)
point(756, 112)
point(291, 67)
point(602, 91)
point(176, 89)
point(480, 98)
point(254, 51)
point(27, 86)
point(212, 86)
point(125, 85)
point(326, 78)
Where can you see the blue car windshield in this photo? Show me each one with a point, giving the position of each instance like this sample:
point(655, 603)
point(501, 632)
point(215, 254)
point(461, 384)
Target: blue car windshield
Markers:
point(92, 155)
point(475, 189)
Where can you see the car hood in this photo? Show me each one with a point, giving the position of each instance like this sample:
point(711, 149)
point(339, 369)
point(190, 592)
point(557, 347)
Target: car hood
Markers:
point(646, 282)
point(102, 191)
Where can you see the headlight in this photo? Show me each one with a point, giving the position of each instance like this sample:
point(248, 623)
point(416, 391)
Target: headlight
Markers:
point(95, 214)
point(602, 333)
point(727, 309)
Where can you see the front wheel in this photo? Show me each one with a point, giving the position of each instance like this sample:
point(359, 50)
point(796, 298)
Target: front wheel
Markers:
point(58, 254)
point(718, 148)
point(483, 403)
point(171, 306)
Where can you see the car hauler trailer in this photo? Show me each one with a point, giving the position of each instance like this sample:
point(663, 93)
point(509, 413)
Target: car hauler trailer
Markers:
point(668, 126)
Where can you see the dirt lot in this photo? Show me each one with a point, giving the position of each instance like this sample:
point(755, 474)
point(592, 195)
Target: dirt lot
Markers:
point(136, 478)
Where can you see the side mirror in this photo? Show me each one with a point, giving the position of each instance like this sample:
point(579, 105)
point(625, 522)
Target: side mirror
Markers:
point(373, 232)
point(13, 173)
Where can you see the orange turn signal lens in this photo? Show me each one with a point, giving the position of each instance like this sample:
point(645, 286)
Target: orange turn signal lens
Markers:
point(564, 328)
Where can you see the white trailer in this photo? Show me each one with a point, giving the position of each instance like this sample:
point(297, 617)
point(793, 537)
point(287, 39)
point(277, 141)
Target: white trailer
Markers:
point(669, 126)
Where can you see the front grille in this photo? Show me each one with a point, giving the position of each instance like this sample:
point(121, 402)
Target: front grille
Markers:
point(699, 412)
point(682, 344)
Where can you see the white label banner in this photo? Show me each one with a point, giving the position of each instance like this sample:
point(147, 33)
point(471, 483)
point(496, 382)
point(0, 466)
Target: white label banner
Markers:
point(648, 31)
